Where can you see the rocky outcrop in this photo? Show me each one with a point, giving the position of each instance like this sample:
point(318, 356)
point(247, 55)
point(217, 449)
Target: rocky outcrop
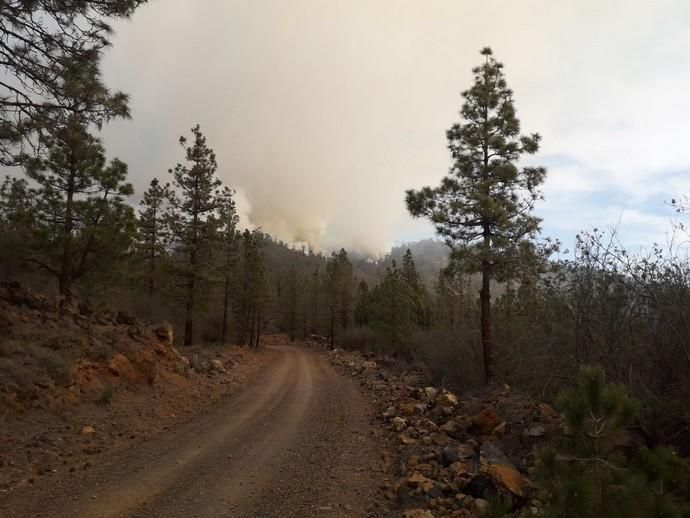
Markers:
point(454, 453)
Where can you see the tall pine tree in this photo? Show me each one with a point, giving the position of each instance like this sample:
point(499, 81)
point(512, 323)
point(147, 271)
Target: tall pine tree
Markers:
point(83, 222)
point(482, 208)
point(194, 222)
point(153, 230)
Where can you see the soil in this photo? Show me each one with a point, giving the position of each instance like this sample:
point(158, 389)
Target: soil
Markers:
point(293, 439)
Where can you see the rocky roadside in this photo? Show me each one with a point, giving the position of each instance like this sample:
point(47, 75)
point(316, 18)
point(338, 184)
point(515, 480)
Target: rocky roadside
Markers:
point(451, 455)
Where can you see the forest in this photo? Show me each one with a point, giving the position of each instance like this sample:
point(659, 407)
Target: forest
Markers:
point(487, 301)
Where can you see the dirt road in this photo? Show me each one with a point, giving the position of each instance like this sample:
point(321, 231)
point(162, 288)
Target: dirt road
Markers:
point(295, 442)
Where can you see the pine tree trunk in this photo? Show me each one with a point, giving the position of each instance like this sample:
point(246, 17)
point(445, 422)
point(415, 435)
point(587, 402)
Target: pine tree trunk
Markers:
point(189, 307)
point(332, 333)
point(152, 257)
point(258, 329)
point(487, 335)
point(226, 304)
point(65, 277)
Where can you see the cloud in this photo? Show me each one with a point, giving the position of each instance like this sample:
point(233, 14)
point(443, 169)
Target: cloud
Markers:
point(323, 113)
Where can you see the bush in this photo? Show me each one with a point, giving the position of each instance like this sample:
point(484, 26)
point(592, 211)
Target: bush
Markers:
point(359, 339)
point(584, 473)
point(454, 359)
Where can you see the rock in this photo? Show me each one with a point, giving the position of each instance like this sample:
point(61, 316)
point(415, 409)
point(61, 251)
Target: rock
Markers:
point(120, 366)
point(418, 513)
point(501, 429)
point(480, 505)
point(456, 453)
point(164, 332)
point(409, 409)
point(399, 424)
point(430, 393)
point(416, 479)
point(217, 365)
point(125, 318)
point(368, 365)
point(406, 439)
point(461, 469)
point(546, 411)
point(453, 429)
point(485, 422)
point(498, 466)
point(446, 399)
point(88, 430)
point(391, 411)
point(534, 431)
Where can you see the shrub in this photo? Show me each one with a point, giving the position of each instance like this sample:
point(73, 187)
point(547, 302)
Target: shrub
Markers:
point(585, 474)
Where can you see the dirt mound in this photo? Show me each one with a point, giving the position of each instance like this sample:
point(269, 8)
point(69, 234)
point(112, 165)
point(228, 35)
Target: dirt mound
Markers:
point(56, 351)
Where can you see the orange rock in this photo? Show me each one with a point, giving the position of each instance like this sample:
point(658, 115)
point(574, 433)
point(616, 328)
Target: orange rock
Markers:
point(498, 466)
point(485, 421)
point(547, 411)
point(121, 367)
point(507, 476)
point(418, 480)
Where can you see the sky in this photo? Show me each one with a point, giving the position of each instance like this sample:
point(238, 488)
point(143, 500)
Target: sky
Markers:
point(323, 112)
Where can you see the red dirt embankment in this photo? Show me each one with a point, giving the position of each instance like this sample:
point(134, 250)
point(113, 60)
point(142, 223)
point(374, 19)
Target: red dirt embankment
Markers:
point(77, 384)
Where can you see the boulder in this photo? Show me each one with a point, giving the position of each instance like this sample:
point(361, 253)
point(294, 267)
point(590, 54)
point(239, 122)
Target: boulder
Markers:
point(494, 463)
point(453, 429)
point(456, 453)
point(534, 431)
point(485, 422)
point(165, 333)
point(416, 479)
point(125, 318)
point(446, 399)
point(430, 393)
point(399, 424)
point(217, 365)
point(389, 412)
point(547, 412)
point(120, 366)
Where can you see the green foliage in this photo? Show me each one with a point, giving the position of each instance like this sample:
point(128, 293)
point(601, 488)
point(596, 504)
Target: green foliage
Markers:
point(16, 224)
point(585, 474)
point(194, 203)
point(50, 53)
point(390, 309)
point(82, 223)
point(255, 288)
point(482, 209)
point(338, 287)
point(153, 231)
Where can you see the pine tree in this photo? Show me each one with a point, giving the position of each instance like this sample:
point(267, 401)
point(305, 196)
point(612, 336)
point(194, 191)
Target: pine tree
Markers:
point(292, 302)
point(483, 207)
point(338, 289)
point(228, 221)
point(194, 222)
point(16, 225)
point(584, 474)
point(254, 289)
point(50, 54)
point(83, 221)
point(417, 289)
point(391, 310)
point(153, 234)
